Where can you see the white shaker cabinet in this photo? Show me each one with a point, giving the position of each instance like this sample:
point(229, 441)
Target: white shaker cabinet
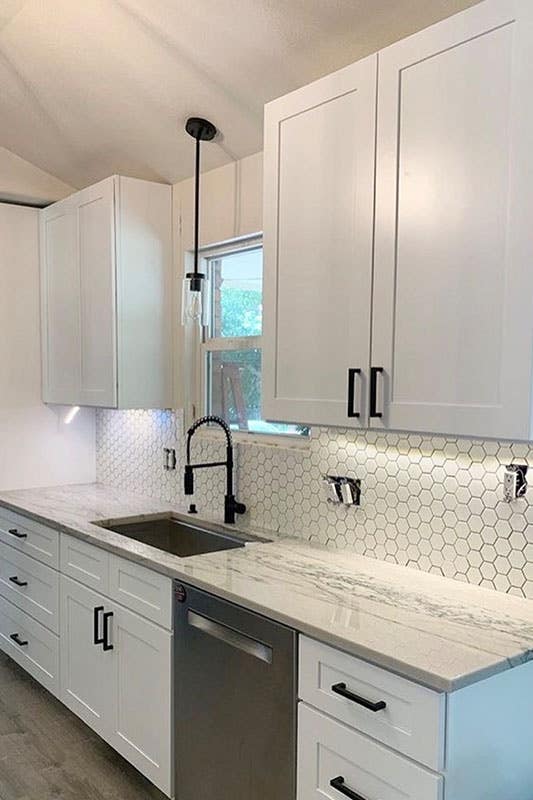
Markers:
point(453, 280)
point(318, 226)
point(368, 734)
point(142, 709)
point(86, 670)
point(60, 305)
point(437, 309)
point(116, 675)
point(106, 259)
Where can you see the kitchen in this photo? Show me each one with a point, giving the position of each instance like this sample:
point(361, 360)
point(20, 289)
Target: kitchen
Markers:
point(266, 400)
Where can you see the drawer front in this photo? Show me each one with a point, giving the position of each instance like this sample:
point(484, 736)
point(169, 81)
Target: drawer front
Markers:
point(142, 590)
point(412, 720)
point(334, 760)
point(30, 585)
point(34, 647)
point(30, 537)
point(85, 563)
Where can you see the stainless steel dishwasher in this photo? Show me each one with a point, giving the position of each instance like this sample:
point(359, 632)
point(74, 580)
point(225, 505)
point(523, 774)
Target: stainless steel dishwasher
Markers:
point(235, 701)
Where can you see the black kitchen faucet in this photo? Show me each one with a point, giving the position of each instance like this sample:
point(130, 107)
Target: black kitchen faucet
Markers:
point(231, 506)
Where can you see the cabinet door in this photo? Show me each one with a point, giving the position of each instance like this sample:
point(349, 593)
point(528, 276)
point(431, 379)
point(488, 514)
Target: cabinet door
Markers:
point(143, 702)
point(318, 227)
point(453, 285)
point(60, 304)
point(86, 670)
point(96, 247)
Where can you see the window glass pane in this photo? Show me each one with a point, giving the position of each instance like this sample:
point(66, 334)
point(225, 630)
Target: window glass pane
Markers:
point(234, 392)
point(237, 293)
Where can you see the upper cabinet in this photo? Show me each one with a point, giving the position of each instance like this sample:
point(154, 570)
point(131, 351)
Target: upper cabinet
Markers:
point(453, 282)
point(318, 229)
point(106, 255)
point(450, 345)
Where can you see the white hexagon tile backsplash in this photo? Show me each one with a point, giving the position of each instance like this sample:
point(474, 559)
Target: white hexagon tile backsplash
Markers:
point(432, 503)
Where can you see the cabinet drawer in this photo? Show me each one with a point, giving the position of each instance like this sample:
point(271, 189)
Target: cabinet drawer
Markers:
point(85, 563)
point(412, 720)
point(141, 589)
point(330, 751)
point(39, 653)
point(30, 585)
point(30, 537)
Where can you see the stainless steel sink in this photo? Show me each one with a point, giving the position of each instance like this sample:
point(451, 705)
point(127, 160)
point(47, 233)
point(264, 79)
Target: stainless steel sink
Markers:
point(179, 537)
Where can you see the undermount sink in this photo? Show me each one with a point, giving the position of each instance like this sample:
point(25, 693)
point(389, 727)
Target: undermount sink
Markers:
point(174, 535)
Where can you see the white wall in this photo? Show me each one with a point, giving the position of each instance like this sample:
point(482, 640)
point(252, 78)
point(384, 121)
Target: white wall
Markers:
point(22, 182)
point(36, 447)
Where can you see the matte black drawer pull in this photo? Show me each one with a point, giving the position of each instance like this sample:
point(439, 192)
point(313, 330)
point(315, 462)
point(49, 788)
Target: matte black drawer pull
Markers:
point(16, 638)
point(352, 373)
point(340, 688)
point(15, 579)
point(97, 639)
point(107, 616)
point(17, 533)
point(340, 786)
point(374, 372)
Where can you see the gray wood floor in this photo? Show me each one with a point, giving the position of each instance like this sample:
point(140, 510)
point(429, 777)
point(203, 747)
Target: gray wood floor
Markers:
point(46, 753)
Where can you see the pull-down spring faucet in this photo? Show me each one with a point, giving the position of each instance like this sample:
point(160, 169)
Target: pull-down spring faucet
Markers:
point(231, 506)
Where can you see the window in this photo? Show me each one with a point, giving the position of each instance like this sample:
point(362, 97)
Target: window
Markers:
point(231, 346)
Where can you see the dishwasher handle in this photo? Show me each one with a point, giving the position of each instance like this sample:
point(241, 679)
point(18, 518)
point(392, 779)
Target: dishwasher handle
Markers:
point(230, 636)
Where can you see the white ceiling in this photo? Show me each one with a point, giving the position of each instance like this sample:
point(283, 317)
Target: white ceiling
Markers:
point(94, 87)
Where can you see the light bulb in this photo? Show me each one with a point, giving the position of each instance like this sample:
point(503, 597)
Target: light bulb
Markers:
point(193, 305)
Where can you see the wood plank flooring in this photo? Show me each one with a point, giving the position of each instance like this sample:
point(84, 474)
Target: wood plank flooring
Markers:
point(46, 753)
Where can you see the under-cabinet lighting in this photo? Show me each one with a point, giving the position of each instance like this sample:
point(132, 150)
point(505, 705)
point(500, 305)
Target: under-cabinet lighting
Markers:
point(71, 413)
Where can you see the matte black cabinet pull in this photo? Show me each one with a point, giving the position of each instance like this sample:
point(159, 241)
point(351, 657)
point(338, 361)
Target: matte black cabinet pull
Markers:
point(15, 579)
point(340, 688)
point(352, 373)
point(16, 638)
point(17, 533)
point(374, 372)
point(107, 616)
point(340, 786)
point(97, 639)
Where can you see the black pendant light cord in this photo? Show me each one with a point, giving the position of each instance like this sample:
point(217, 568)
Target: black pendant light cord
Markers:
point(197, 207)
point(201, 130)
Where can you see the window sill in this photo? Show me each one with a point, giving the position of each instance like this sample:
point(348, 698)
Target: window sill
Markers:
point(285, 442)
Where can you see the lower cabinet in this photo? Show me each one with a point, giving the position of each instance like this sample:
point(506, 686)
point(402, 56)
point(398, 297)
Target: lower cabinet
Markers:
point(116, 676)
point(367, 734)
point(335, 761)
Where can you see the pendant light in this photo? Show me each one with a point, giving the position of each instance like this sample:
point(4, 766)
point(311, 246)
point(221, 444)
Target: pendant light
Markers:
point(195, 283)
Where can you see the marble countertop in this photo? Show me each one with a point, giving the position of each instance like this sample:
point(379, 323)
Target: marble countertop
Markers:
point(436, 631)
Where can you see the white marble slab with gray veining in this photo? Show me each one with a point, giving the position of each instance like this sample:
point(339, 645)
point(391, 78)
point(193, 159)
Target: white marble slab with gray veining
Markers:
point(440, 632)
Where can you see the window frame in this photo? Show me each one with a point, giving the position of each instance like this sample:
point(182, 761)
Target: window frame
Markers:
point(198, 345)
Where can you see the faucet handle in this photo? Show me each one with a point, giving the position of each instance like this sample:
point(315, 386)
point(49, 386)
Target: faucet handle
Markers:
point(232, 507)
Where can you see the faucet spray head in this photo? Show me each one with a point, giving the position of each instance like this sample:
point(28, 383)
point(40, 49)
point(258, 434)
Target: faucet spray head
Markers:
point(188, 480)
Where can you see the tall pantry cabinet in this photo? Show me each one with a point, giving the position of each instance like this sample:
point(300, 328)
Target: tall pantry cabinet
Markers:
point(449, 348)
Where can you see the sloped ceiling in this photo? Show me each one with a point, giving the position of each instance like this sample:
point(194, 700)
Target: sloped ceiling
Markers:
point(94, 87)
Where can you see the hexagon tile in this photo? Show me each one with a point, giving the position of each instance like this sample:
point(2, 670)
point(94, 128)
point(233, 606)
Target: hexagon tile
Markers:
point(432, 503)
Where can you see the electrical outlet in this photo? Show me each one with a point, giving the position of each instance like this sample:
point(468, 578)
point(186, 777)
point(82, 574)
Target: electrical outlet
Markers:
point(514, 482)
point(509, 486)
point(170, 460)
